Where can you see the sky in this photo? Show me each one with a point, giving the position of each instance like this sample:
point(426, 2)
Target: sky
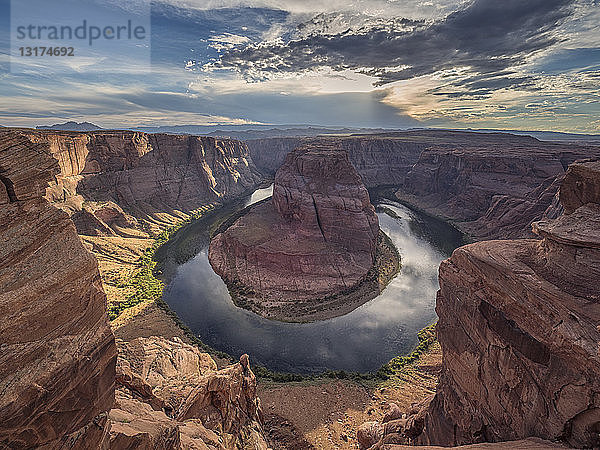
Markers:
point(504, 64)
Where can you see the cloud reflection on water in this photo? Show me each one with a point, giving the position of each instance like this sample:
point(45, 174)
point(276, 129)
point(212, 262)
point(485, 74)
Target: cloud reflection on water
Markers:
point(362, 340)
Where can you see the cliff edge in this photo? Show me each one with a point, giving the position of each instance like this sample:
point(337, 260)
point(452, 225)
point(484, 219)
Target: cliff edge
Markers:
point(57, 363)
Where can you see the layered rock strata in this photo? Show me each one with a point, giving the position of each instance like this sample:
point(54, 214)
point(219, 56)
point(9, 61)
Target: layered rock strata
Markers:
point(379, 159)
point(317, 237)
point(519, 329)
point(172, 396)
point(116, 183)
point(491, 185)
point(495, 190)
point(57, 358)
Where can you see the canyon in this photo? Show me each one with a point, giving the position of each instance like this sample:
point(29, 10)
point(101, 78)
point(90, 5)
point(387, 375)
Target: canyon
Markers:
point(121, 183)
point(489, 185)
point(294, 256)
point(518, 318)
point(65, 381)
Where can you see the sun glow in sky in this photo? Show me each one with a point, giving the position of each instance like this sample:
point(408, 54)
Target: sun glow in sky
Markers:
point(511, 64)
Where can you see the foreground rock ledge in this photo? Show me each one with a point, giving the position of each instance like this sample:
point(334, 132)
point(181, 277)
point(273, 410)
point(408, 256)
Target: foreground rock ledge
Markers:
point(291, 257)
point(171, 396)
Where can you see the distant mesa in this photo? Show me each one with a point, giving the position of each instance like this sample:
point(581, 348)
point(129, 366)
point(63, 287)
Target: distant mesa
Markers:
point(71, 126)
point(314, 250)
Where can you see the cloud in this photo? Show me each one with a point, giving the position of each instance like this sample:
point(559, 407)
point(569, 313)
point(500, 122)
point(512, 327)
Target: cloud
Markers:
point(487, 36)
point(389, 8)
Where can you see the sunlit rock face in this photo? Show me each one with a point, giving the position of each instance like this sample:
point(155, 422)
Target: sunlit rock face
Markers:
point(171, 396)
point(318, 190)
point(315, 238)
point(58, 354)
point(110, 180)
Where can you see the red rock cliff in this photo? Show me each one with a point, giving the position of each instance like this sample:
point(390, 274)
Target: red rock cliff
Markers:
point(109, 180)
point(491, 185)
point(494, 188)
point(318, 189)
point(519, 332)
point(378, 159)
point(58, 354)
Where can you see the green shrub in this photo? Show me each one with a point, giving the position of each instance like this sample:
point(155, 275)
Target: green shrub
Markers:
point(144, 282)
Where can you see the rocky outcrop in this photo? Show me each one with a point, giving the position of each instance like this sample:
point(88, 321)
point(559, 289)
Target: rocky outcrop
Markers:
point(491, 185)
point(172, 396)
point(110, 180)
point(316, 237)
point(318, 189)
point(519, 329)
point(581, 186)
point(392, 433)
point(57, 358)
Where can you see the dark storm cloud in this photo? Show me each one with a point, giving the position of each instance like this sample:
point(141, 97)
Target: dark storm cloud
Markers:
point(489, 36)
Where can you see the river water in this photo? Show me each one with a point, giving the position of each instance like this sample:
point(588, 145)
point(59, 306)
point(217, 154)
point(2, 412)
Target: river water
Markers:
point(360, 341)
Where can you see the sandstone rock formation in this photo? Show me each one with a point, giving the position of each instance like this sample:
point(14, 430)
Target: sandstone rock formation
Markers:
point(316, 237)
point(492, 189)
point(57, 357)
point(393, 434)
point(491, 185)
point(519, 329)
point(110, 180)
point(172, 396)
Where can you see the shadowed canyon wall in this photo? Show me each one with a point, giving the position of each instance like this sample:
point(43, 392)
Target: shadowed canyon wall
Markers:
point(519, 329)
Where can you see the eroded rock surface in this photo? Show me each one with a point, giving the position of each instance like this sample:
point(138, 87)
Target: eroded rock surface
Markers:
point(519, 329)
point(172, 396)
point(316, 237)
point(57, 357)
point(58, 354)
point(111, 180)
point(523, 444)
point(493, 189)
point(379, 159)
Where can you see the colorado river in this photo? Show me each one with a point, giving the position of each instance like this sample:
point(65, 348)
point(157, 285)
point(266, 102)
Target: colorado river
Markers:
point(360, 341)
